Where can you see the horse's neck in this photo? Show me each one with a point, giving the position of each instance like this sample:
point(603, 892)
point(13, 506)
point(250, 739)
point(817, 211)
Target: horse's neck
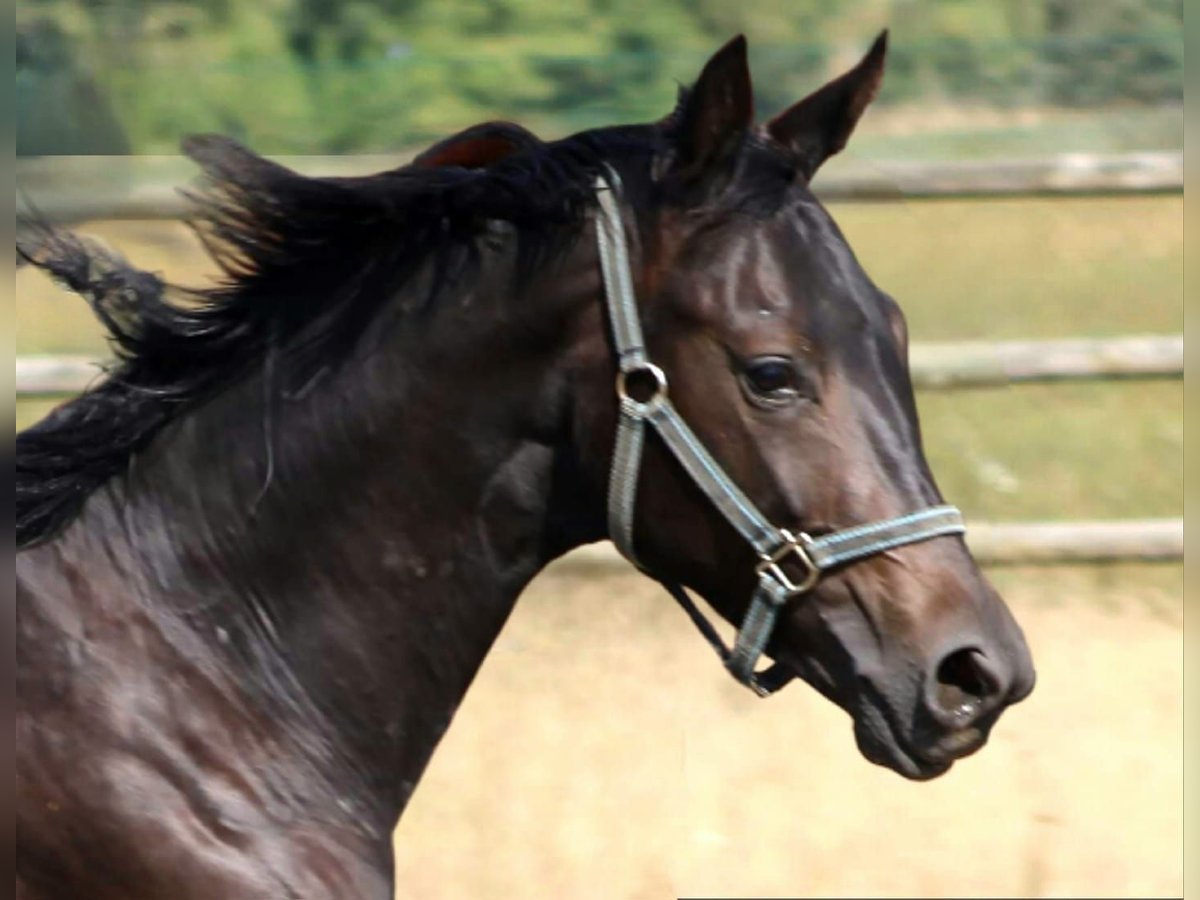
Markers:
point(359, 550)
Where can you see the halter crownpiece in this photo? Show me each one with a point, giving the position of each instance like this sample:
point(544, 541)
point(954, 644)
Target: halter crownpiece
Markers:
point(774, 546)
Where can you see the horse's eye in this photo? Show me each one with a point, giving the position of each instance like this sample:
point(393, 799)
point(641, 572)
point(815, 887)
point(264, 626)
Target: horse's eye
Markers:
point(773, 378)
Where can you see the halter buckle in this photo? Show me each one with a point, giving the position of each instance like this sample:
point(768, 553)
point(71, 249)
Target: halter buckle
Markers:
point(792, 544)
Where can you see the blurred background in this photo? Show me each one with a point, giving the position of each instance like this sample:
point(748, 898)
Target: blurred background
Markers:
point(1017, 186)
point(965, 77)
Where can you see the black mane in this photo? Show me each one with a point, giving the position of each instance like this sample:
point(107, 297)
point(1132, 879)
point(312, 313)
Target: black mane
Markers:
point(307, 264)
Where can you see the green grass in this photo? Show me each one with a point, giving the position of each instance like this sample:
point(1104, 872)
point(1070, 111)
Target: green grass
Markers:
point(1025, 268)
point(1082, 450)
point(1108, 130)
point(971, 269)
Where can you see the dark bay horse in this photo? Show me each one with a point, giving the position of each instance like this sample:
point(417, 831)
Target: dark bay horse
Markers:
point(261, 562)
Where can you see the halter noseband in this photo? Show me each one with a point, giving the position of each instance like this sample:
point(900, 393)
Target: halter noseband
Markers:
point(773, 545)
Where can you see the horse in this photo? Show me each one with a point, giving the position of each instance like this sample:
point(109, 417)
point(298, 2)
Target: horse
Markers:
point(261, 560)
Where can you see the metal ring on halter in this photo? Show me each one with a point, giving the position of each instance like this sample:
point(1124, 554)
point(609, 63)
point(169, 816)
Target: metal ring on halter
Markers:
point(792, 544)
point(651, 403)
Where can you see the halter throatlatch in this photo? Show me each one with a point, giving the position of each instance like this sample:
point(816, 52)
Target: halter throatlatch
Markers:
point(642, 394)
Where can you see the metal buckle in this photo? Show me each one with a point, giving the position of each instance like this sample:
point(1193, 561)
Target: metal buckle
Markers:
point(643, 407)
point(791, 544)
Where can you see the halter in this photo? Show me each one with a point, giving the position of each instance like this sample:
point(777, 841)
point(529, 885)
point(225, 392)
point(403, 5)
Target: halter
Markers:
point(774, 546)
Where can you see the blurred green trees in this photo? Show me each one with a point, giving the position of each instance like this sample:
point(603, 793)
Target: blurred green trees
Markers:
point(327, 76)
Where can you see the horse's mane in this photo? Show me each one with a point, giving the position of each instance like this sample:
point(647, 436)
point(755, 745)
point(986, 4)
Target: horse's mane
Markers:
point(307, 264)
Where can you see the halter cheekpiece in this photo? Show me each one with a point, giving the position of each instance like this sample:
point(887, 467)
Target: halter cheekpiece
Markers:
point(643, 399)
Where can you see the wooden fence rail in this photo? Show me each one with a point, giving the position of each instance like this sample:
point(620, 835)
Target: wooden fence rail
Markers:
point(72, 188)
point(80, 188)
point(1007, 543)
point(990, 363)
point(934, 365)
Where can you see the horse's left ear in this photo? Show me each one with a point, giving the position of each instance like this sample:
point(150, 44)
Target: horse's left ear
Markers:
point(819, 125)
point(716, 113)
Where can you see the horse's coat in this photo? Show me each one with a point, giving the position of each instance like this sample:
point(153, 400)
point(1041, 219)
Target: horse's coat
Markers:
point(262, 562)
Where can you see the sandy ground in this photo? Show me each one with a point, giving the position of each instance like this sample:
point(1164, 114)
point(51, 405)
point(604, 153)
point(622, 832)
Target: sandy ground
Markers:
point(602, 753)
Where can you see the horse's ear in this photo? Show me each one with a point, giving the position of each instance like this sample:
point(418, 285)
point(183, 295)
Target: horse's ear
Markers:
point(478, 147)
point(715, 114)
point(819, 125)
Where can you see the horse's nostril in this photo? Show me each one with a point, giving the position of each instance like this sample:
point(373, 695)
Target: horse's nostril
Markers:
point(964, 681)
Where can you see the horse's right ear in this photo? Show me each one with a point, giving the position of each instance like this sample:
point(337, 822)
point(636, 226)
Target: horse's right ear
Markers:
point(715, 114)
point(478, 147)
point(819, 125)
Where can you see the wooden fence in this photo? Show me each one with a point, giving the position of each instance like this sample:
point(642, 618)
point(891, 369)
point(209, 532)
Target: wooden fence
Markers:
point(78, 188)
point(1008, 543)
point(67, 189)
point(934, 365)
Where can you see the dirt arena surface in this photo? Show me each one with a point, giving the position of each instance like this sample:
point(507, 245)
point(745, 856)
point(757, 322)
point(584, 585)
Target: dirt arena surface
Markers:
point(602, 753)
